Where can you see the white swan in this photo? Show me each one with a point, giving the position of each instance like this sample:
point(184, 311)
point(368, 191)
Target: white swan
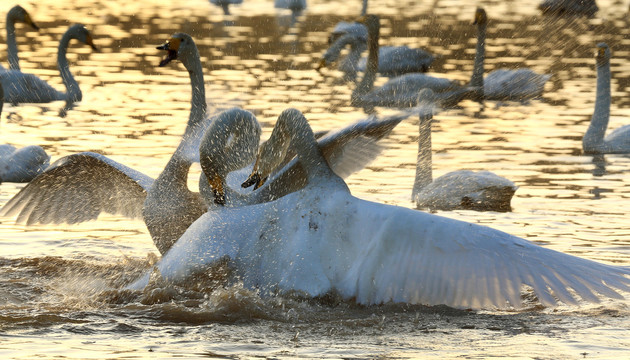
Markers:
point(502, 84)
point(225, 4)
point(461, 189)
point(594, 142)
point(392, 60)
point(16, 14)
point(568, 7)
point(79, 187)
point(322, 239)
point(401, 91)
point(21, 87)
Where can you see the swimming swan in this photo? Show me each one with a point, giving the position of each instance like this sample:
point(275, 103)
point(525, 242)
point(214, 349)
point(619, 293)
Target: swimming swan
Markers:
point(79, 187)
point(21, 87)
point(322, 239)
point(392, 60)
point(16, 14)
point(502, 84)
point(593, 142)
point(461, 189)
point(401, 91)
point(568, 7)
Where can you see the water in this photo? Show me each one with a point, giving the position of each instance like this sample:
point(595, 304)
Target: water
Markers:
point(58, 296)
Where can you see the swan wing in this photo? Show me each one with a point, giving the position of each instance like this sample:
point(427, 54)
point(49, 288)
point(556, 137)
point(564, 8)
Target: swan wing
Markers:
point(22, 87)
point(619, 140)
point(409, 256)
point(78, 188)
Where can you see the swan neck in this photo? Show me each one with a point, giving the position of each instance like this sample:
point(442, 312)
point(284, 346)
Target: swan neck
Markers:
point(198, 106)
point(424, 162)
point(73, 92)
point(302, 140)
point(594, 136)
point(364, 7)
point(480, 55)
point(14, 60)
point(367, 83)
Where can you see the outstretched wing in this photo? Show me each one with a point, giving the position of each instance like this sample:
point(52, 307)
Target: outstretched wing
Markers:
point(77, 188)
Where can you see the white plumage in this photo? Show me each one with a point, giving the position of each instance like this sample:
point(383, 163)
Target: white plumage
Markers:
point(322, 239)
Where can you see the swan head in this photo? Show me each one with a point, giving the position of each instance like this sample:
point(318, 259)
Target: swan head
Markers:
point(602, 57)
point(82, 34)
point(230, 143)
point(180, 46)
point(481, 18)
point(17, 13)
point(272, 153)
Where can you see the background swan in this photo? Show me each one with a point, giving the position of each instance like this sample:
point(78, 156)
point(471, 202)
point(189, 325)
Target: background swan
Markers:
point(568, 7)
point(21, 87)
point(296, 7)
point(502, 84)
point(166, 204)
point(461, 189)
point(16, 14)
point(225, 4)
point(593, 142)
point(392, 60)
point(401, 91)
point(322, 239)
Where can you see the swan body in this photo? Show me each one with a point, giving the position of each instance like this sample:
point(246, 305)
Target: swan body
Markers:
point(21, 87)
point(321, 239)
point(392, 60)
point(401, 91)
point(225, 4)
point(594, 142)
point(22, 165)
point(79, 187)
point(16, 14)
point(502, 84)
point(461, 189)
point(569, 7)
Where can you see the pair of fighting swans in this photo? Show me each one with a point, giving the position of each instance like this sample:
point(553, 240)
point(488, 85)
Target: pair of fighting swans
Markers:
point(321, 239)
point(594, 142)
point(20, 87)
point(79, 187)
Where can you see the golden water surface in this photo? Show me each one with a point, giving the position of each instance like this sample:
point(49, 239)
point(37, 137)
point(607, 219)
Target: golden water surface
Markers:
point(58, 296)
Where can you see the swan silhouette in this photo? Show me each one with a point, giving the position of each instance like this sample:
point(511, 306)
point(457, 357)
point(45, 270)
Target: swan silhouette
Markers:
point(22, 87)
point(16, 14)
point(321, 239)
point(594, 142)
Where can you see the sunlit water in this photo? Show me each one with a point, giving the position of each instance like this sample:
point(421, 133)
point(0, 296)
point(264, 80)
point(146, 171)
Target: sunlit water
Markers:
point(58, 284)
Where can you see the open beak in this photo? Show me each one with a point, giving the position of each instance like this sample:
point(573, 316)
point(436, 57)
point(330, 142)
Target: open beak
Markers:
point(171, 46)
point(217, 188)
point(90, 41)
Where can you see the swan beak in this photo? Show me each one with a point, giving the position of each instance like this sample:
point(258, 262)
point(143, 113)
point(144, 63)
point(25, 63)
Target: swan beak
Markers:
point(322, 64)
point(90, 41)
point(28, 20)
point(217, 188)
point(480, 16)
point(254, 179)
point(171, 46)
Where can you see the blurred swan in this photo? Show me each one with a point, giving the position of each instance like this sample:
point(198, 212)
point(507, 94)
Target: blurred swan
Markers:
point(16, 14)
point(568, 7)
point(296, 7)
point(502, 84)
point(225, 4)
point(79, 187)
point(392, 60)
point(21, 87)
point(594, 142)
point(20, 165)
point(401, 91)
point(461, 189)
point(321, 239)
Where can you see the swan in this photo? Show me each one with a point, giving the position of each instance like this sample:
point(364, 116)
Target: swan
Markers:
point(321, 239)
point(16, 14)
point(22, 87)
point(225, 4)
point(502, 84)
point(594, 142)
point(401, 91)
point(166, 204)
point(461, 189)
point(392, 60)
point(296, 7)
point(568, 7)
